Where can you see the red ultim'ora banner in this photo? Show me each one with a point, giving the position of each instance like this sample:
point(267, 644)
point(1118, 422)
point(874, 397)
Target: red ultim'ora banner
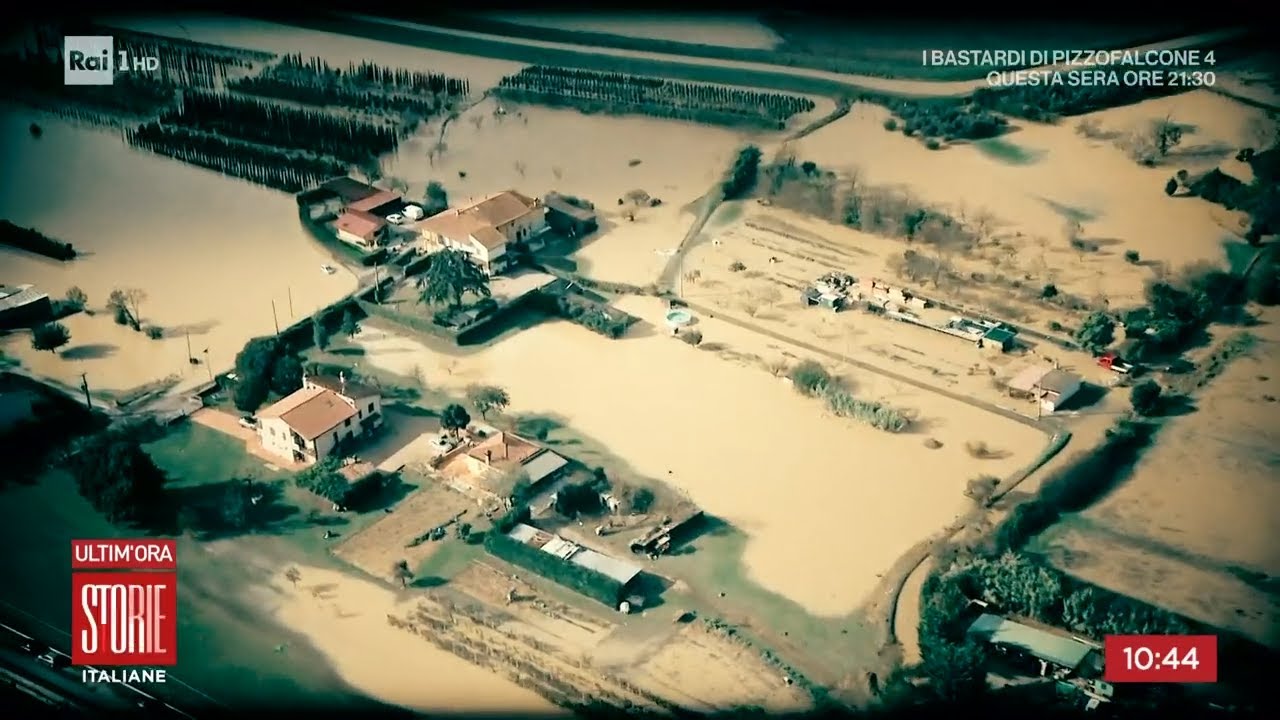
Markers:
point(124, 600)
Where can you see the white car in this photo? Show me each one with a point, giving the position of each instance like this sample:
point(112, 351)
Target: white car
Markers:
point(249, 421)
point(395, 218)
point(328, 269)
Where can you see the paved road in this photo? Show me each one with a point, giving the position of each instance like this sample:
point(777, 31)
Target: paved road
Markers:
point(729, 72)
point(175, 698)
point(63, 683)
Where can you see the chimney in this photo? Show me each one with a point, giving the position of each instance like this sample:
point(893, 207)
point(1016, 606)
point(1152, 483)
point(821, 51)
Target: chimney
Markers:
point(488, 457)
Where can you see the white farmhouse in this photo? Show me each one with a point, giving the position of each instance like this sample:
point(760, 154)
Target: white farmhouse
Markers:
point(486, 229)
point(307, 425)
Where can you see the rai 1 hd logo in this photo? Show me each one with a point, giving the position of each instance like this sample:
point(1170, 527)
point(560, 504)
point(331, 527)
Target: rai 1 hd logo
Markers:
point(124, 600)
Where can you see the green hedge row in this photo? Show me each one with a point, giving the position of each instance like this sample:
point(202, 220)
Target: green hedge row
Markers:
point(590, 583)
point(33, 241)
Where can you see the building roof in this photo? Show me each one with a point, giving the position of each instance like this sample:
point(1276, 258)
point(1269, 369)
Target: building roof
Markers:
point(349, 189)
point(500, 208)
point(12, 297)
point(377, 200)
point(556, 202)
point(542, 465)
point(490, 238)
point(360, 223)
point(620, 570)
point(1058, 381)
point(1061, 651)
point(311, 411)
point(342, 386)
point(1028, 379)
point(1000, 335)
point(504, 447)
point(481, 219)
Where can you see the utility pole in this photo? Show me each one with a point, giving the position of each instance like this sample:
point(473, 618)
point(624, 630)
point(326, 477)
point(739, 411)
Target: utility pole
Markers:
point(377, 289)
point(84, 385)
point(291, 315)
point(207, 366)
point(190, 357)
point(274, 318)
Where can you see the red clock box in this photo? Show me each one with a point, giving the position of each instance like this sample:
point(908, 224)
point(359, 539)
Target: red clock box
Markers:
point(1160, 658)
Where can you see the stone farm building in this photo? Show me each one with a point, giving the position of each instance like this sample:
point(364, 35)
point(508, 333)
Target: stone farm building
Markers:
point(485, 467)
point(359, 210)
point(1058, 655)
point(569, 217)
point(621, 571)
point(1045, 384)
point(488, 228)
point(308, 425)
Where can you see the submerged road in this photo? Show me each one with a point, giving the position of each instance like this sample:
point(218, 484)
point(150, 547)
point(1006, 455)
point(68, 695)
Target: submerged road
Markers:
point(682, 67)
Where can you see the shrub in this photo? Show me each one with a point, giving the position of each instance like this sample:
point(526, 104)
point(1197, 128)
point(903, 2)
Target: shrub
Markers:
point(981, 488)
point(1048, 292)
point(1145, 397)
point(809, 377)
point(1132, 257)
point(891, 124)
point(932, 144)
point(737, 266)
point(154, 332)
point(842, 403)
point(33, 241)
point(1171, 187)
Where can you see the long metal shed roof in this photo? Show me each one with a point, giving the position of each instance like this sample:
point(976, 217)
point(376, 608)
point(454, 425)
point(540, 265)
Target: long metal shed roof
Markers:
point(620, 570)
point(1061, 651)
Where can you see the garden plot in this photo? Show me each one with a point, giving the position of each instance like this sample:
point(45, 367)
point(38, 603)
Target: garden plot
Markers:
point(378, 547)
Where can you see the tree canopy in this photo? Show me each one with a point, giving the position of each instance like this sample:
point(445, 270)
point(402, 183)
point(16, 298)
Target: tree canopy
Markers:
point(1096, 332)
point(488, 398)
point(50, 336)
point(450, 275)
point(454, 418)
point(436, 198)
point(118, 478)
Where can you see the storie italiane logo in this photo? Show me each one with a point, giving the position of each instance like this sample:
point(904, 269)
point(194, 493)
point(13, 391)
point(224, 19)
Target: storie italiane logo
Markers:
point(129, 616)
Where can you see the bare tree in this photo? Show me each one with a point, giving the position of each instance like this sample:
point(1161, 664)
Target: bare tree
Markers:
point(1165, 135)
point(767, 296)
point(557, 172)
point(293, 576)
point(448, 365)
point(477, 121)
point(519, 166)
point(135, 298)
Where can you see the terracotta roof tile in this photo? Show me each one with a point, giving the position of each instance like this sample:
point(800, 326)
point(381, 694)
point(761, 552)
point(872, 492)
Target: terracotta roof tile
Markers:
point(381, 198)
point(360, 224)
point(311, 412)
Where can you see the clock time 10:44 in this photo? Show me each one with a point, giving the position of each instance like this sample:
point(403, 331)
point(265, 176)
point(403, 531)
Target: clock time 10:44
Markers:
point(1161, 658)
